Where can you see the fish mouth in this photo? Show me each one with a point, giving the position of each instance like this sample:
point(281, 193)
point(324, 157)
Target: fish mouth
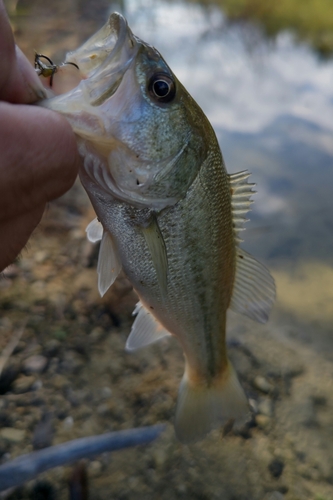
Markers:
point(104, 46)
point(104, 58)
point(102, 61)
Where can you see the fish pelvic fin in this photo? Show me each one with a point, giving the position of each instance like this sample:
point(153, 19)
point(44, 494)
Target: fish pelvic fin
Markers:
point(156, 245)
point(254, 288)
point(94, 231)
point(202, 407)
point(109, 265)
point(145, 330)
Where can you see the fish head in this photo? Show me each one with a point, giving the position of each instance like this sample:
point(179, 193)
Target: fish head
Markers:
point(142, 135)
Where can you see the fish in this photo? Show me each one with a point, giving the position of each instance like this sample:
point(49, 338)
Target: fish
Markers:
point(168, 214)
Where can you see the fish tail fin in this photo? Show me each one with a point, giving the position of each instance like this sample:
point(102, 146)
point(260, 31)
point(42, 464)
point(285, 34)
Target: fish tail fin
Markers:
point(201, 407)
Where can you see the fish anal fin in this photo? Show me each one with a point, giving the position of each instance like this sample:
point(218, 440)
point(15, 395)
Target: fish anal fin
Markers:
point(202, 407)
point(156, 245)
point(94, 231)
point(254, 288)
point(145, 330)
point(109, 265)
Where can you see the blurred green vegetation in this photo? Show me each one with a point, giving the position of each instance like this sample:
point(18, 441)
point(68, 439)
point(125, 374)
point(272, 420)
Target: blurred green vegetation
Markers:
point(310, 20)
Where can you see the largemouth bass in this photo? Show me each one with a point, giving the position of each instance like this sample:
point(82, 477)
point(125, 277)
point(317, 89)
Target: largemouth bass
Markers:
point(168, 214)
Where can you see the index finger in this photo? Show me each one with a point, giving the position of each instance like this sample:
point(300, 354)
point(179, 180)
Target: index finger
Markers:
point(18, 80)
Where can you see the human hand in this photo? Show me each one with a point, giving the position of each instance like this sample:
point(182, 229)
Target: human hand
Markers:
point(38, 153)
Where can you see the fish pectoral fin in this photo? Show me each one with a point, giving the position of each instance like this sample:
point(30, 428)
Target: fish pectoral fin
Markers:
point(145, 330)
point(254, 288)
point(109, 265)
point(241, 192)
point(94, 231)
point(202, 407)
point(156, 245)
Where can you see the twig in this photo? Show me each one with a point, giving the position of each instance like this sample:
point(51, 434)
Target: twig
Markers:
point(8, 350)
point(26, 467)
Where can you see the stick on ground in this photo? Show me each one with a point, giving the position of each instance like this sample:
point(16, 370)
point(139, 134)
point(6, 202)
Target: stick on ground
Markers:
point(26, 467)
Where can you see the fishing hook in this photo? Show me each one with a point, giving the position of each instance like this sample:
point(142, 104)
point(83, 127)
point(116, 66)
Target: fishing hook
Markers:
point(48, 70)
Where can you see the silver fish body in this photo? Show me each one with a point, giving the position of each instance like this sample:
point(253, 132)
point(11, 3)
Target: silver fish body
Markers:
point(170, 215)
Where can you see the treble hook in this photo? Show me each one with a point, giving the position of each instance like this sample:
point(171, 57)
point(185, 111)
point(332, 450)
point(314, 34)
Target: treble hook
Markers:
point(48, 70)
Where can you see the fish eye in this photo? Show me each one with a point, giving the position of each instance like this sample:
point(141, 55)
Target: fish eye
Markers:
point(162, 88)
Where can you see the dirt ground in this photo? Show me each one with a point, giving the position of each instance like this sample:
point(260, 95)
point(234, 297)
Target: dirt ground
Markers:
point(70, 377)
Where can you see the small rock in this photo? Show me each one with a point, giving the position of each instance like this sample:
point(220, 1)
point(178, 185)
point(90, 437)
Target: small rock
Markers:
point(318, 400)
point(23, 384)
point(160, 457)
point(8, 376)
point(38, 289)
point(25, 264)
point(40, 256)
point(52, 348)
point(59, 381)
point(95, 468)
point(43, 432)
point(262, 384)
point(96, 334)
point(5, 419)
point(276, 467)
point(104, 410)
point(106, 392)
point(68, 423)
point(274, 495)
point(77, 234)
point(12, 435)
point(12, 271)
point(253, 405)
point(72, 362)
point(4, 447)
point(35, 364)
point(33, 349)
point(37, 385)
point(263, 421)
point(265, 407)
point(21, 345)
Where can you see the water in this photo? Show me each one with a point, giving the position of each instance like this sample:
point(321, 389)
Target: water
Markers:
point(271, 105)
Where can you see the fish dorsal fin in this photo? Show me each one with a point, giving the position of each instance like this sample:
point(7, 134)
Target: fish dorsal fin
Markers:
point(94, 231)
point(254, 288)
point(156, 245)
point(109, 265)
point(241, 192)
point(145, 330)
